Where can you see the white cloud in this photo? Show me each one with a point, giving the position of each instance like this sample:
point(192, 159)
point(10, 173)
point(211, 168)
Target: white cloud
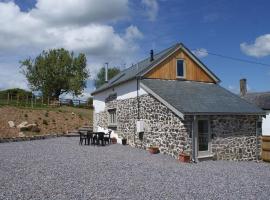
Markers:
point(80, 26)
point(80, 11)
point(132, 32)
point(260, 48)
point(151, 9)
point(10, 76)
point(200, 53)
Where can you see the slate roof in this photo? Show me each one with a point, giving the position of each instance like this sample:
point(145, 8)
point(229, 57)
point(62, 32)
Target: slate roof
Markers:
point(200, 98)
point(260, 99)
point(143, 66)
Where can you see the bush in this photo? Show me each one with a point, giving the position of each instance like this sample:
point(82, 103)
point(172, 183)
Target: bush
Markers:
point(46, 114)
point(45, 122)
point(25, 115)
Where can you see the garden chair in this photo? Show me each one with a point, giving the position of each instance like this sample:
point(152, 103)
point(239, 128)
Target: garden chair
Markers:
point(107, 137)
point(90, 137)
point(100, 138)
point(83, 137)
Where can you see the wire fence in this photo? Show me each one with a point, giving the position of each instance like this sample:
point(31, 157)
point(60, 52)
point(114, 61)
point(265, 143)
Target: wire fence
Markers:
point(41, 102)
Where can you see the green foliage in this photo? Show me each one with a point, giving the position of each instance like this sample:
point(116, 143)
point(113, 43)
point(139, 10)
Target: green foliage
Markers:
point(100, 79)
point(45, 122)
point(90, 101)
point(55, 72)
point(14, 93)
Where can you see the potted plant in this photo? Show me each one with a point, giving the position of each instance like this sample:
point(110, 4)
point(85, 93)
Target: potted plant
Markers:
point(124, 141)
point(114, 140)
point(153, 149)
point(184, 157)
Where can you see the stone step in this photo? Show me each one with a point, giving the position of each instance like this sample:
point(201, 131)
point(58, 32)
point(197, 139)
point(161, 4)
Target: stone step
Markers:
point(85, 129)
point(72, 134)
point(88, 127)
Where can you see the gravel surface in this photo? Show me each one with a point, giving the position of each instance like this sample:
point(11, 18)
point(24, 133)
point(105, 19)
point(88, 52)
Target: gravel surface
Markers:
point(61, 169)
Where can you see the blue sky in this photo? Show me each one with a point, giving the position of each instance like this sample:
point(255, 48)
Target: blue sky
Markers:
point(123, 32)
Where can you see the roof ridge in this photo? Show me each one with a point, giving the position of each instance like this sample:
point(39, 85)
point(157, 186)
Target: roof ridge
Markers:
point(160, 52)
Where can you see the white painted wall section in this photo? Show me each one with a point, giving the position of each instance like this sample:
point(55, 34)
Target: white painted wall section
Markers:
point(124, 91)
point(266, 124)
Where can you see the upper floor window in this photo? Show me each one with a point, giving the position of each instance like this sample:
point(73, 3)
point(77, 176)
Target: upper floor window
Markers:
point(180, 68)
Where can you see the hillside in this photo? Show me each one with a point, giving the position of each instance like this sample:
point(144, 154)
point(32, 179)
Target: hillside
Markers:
point(48, 120)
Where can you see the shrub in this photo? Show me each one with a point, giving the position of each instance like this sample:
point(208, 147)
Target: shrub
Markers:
point(45, 122)
point(46, 114)
point(25, 115)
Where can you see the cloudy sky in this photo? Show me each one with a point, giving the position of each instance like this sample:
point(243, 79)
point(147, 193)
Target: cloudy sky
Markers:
point(122, 32)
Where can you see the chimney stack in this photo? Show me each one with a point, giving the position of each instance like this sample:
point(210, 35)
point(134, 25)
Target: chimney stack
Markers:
point(106, 72)
point(151, 55)
point(243, 87)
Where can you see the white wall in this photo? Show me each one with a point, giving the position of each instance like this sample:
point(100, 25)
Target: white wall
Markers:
point(266, 124)
point(124, 91)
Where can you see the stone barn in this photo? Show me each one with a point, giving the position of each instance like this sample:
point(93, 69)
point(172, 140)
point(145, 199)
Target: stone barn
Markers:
point(173, 101)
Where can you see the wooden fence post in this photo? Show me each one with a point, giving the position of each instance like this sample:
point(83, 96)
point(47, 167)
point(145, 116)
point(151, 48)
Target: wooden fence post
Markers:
point(32, 101)
point(17, 99)
point(8, 98)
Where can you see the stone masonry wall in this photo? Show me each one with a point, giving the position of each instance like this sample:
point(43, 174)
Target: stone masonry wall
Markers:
point(233, 136)
point(162, 127)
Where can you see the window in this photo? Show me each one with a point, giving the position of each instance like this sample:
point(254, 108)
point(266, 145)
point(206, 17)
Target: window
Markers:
point(180, 68)
point(112, 117)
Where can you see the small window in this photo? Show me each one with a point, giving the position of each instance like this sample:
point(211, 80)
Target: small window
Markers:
point(112, 117)
point(180, 68)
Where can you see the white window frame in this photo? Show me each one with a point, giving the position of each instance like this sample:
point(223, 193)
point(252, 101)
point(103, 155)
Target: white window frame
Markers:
point(184, 69)
point(112, 119)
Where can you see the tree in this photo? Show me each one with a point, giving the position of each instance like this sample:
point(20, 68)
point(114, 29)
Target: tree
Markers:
point(55, 72)
point(100, 79)
point(15, 92)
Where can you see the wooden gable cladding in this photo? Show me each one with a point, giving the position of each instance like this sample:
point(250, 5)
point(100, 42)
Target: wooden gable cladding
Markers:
point(167, 69)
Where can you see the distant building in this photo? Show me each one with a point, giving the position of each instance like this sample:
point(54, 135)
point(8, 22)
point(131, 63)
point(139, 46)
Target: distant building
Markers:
point(260, 99)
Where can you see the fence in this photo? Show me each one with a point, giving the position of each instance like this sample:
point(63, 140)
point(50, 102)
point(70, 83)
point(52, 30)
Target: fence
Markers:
point(40, 101)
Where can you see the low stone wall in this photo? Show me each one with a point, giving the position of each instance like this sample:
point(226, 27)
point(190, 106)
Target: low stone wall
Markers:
point(28, 138)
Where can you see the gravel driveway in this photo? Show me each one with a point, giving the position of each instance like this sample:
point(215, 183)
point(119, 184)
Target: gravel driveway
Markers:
point(61, 169)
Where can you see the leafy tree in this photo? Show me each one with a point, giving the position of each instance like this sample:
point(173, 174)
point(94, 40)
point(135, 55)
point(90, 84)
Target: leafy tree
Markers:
point(55, 72)
point(100, 79)
point(15, 92)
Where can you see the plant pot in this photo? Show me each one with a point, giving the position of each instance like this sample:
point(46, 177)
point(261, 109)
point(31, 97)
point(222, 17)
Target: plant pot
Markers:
point(114, 140)
point(124, 141)
point(153, 150)
point(184, 158)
